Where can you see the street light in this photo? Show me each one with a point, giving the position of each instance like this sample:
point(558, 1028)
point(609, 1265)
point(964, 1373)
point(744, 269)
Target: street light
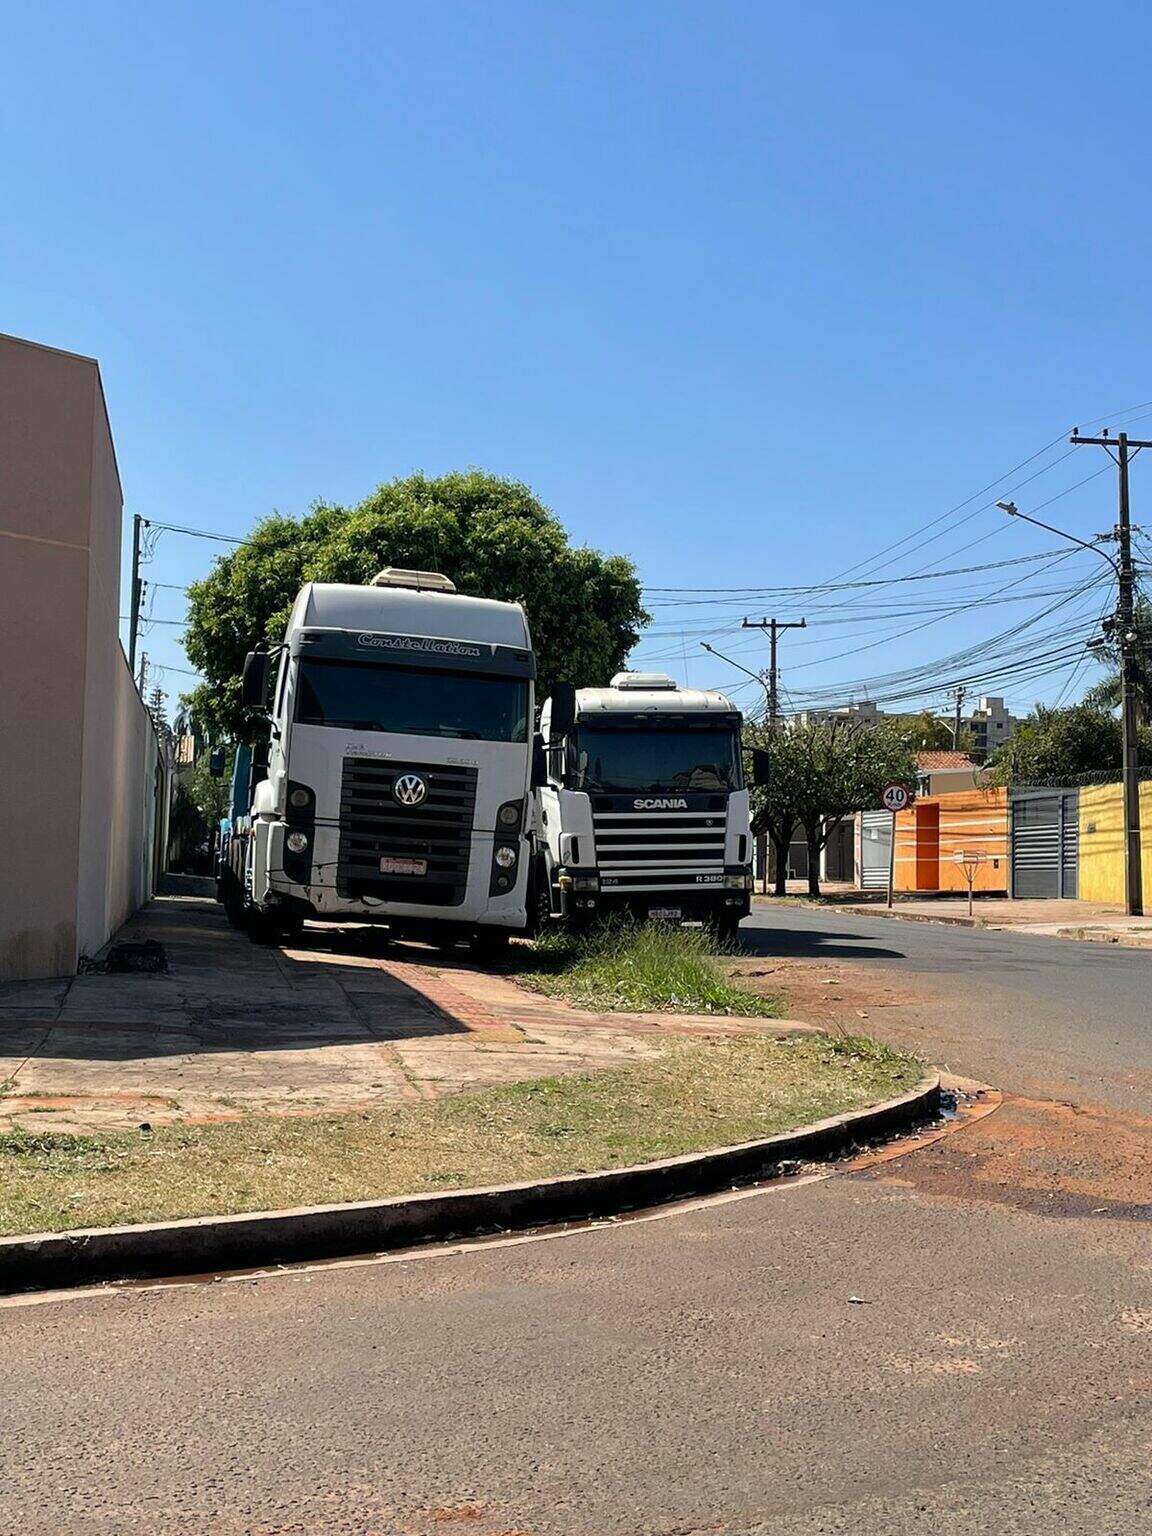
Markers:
point(1014, 511)
point(757, 676)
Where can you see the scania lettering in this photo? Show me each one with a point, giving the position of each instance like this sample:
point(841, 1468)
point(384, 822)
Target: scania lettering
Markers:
point(398, 765)
point(642, 807)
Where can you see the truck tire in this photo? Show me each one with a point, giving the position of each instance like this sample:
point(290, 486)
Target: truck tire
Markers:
point(725, 932)
point(540, 917)
point(266, 927)
point(232, 899)
point(489, 944)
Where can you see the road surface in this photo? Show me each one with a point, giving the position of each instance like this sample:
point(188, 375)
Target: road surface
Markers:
point(937, 1342)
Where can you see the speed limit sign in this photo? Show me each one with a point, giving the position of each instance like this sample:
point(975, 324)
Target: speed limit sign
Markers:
point(895, 797)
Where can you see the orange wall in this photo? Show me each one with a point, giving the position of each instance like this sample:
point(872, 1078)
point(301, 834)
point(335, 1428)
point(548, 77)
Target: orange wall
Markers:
point(932, 831)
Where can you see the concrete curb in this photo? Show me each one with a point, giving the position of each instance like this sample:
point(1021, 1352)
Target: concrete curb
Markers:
point(51, 1260)
point(867, 910)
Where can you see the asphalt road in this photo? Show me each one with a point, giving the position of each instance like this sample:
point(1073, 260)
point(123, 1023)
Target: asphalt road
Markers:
point(1035, 1015)
point(708, 1371)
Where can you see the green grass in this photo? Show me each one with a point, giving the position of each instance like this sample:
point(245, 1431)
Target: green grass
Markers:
point(693, 1095)
point(639, 968)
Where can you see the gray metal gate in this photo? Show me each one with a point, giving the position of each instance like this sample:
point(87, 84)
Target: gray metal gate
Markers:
point(1045, 843)
point(875, 849)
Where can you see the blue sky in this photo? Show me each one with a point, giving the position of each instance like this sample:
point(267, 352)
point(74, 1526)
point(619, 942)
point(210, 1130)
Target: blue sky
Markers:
point(746, 291)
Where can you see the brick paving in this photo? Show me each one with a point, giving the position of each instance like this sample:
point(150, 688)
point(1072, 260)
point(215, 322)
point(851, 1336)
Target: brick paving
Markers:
point(344, 1021)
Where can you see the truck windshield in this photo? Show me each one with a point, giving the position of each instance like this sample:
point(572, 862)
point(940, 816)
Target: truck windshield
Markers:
point(663, 759)
point(414, 701)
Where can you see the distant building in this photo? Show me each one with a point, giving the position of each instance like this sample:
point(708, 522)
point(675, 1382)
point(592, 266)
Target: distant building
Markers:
point(942, 773)
point(989, 726)
point(985, 728)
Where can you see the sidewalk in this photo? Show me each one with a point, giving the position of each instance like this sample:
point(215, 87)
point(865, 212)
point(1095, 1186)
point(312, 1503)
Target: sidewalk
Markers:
point(344, 1021)
point(1104, 922)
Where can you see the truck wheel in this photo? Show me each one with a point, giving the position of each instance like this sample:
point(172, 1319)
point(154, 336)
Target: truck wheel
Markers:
point(542, 918)
point(489, 944)
point(725, 932)
point(265, 927)
point(232, 899)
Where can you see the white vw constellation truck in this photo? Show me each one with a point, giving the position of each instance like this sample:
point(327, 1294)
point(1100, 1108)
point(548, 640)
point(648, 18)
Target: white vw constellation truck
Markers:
point(398, 766)
point(644, 807)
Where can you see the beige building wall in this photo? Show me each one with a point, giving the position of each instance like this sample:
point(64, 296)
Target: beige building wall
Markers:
point(78, 753)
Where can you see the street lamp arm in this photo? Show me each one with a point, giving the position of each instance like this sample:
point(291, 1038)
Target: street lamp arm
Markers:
point(712, 651)
point(1013, 511)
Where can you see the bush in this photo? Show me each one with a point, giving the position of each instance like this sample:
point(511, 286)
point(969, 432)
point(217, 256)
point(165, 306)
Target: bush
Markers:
point(643, 968)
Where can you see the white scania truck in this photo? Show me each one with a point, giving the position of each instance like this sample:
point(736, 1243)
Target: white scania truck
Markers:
point(644, 807)
point(397, 786)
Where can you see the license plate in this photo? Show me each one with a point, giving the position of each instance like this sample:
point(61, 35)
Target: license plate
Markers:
point(664, 914)
point(403, 866)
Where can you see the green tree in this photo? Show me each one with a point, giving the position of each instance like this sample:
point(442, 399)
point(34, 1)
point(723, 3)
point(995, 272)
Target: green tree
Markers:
point(927, 732)
point(1061, 745)
point(493, 537)
point(819, 774)
point(198, 804)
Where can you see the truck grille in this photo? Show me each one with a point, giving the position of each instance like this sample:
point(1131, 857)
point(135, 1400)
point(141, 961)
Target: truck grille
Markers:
point(374, 825)
point(660, 850)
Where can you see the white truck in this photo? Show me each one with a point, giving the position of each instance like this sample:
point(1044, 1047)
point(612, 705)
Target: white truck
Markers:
point(643, 806)
point(397, 785)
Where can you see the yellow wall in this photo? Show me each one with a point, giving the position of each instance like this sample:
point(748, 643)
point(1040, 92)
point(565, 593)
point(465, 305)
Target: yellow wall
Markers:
point(1102, 842)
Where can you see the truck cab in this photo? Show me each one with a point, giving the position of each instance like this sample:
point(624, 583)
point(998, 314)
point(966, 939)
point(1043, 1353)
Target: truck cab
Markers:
point(398, 765)
point(643, 807)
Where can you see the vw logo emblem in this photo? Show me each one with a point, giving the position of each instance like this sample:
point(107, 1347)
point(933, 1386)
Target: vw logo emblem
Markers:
point(410, 789)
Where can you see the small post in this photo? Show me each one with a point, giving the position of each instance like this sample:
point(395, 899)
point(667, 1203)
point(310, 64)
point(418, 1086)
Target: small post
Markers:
point(892, 861)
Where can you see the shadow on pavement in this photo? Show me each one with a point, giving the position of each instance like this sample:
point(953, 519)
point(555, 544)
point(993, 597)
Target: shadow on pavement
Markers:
point(813, 943)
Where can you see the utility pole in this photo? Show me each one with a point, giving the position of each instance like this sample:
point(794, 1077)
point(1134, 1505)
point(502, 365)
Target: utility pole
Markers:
point(136, 593)
point(957, 695)
point(774, 628)
point(1122, 449)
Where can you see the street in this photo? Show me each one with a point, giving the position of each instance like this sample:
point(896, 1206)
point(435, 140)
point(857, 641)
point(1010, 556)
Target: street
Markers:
point(1032, 1015)
point(959, 1334)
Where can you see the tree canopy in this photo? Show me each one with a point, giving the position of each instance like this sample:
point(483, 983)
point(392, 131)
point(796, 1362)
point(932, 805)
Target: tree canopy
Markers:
point(1061, 745)
point(818, 774)
point(491, 536)
point(927, 732)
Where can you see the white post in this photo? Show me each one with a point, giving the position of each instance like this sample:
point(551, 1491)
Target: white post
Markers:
point(892, 861)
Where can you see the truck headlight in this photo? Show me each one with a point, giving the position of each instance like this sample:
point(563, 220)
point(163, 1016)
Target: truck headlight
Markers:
point(296, 842)
point(738, 882)
point(505, 856)
point(509, 814)
point(585, 882)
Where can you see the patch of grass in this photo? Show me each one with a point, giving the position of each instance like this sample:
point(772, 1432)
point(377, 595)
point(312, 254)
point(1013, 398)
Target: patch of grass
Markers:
point(640, 968)
point(694, 1094)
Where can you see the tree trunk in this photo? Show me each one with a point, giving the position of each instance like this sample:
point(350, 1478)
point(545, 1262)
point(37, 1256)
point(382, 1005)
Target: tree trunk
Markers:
point(780, 849)
point(814, 841)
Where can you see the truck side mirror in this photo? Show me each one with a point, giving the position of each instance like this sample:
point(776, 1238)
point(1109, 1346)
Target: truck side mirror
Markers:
point(539, 762)
point(761, 768)
point(254, 680)
point(216, 762)
point(563, 710)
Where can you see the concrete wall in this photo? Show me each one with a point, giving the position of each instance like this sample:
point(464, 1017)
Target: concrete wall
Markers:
point(937, 827)
point(77, 748)
point(1102, 843)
